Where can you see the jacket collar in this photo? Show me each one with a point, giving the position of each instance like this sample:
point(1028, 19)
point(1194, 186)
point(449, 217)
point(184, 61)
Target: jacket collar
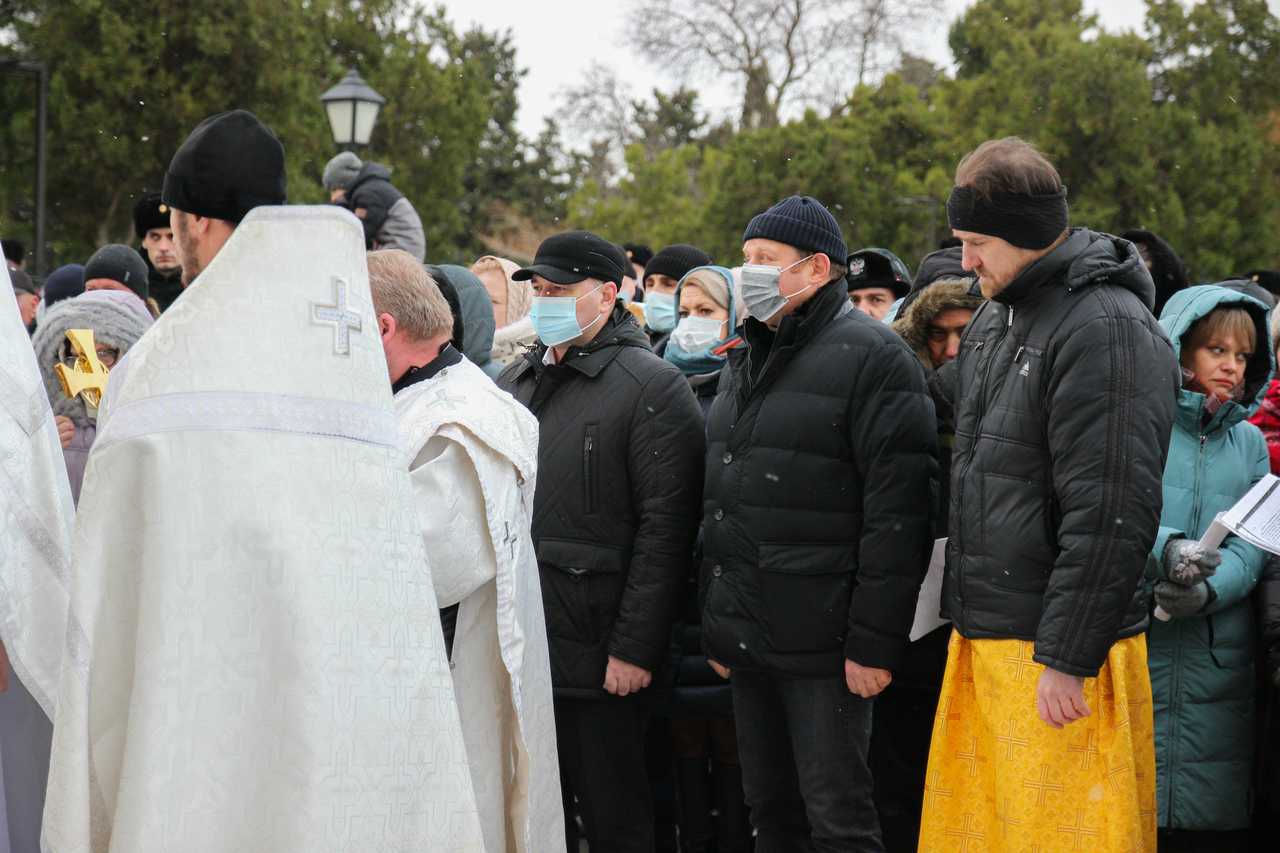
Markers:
point(802, 326)
point(620, 330)
point(1047, 270)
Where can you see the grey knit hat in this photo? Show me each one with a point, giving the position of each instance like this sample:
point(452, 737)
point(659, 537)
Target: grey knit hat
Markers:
point(340, 172)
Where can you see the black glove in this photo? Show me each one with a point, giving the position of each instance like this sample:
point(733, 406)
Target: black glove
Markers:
point(1188, 562)
point(1182, 601)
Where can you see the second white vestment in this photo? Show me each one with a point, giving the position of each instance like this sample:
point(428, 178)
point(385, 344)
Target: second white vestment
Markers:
point(473, 454)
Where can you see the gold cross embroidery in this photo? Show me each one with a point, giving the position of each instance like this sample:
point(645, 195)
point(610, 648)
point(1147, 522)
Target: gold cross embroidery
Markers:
point(946, 716)
point(1004, 815)
point(1022, 662)
point(965, 833)
point(1011, 741)
point(971, 757)
point(1043, 786)
point(88, 379)
point(1118, 775)
point(1078, 830)
point(933, 790)
point(1088, 750)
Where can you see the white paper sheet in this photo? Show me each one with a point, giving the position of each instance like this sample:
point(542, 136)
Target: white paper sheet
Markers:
point(930, 600)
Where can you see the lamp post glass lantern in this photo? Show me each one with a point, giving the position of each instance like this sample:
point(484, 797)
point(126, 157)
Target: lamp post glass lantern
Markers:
point(352, 107)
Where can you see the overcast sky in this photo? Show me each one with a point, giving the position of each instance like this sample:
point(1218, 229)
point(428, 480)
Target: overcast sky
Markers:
point(557, 40)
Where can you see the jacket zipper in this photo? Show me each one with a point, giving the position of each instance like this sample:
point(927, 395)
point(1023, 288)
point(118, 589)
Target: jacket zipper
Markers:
point(588, 446)
point(1175, 701)
point(986, 376)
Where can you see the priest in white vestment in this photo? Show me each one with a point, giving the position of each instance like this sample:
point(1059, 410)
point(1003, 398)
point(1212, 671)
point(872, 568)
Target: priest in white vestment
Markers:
point(261, 666)
point(35, 541)
point(472, 455)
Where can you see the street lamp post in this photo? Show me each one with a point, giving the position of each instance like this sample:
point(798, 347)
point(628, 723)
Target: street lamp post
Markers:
point(352, 107)
point(40, 73)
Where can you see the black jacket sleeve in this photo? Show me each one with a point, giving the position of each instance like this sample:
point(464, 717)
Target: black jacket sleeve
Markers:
point(894, 440)
point(665, 461)
point(376, 198)
point(1111, 394)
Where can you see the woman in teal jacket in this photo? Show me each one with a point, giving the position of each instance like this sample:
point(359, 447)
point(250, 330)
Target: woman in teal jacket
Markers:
point(1201, 661)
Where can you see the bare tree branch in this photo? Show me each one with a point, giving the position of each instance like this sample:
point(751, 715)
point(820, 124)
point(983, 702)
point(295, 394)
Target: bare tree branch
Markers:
point(779, 50)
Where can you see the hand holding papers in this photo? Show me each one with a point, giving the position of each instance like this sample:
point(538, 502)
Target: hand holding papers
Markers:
point(1255, 519)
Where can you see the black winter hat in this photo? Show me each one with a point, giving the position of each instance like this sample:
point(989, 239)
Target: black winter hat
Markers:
point(803, 222)
point(944, 263)
point(675, 261)
point(150, 212)
point(14, 250)
point(878, 268)
point(63, 283)
point(120, 263)
point(570, 257)
point(638, 253)
point(230, 164)
point(1168, 272)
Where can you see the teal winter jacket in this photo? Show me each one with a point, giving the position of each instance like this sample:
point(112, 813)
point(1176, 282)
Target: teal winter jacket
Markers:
point(1202, 675)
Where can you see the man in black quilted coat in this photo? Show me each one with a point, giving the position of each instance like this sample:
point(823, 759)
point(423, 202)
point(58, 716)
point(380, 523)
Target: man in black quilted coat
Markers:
point(817, 527)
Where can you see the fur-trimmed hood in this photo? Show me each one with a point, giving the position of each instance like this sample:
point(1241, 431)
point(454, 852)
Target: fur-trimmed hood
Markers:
point(913, 324)
point(117, 319)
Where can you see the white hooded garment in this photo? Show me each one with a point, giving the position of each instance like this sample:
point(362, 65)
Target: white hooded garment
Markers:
point(261, 666)
point(473, 454)
point(35, 542)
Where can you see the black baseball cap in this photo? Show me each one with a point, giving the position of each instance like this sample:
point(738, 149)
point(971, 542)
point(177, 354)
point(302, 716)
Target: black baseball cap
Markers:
point(570, 257)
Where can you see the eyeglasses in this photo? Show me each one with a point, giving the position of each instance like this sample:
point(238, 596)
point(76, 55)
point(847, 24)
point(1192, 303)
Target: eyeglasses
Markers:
point(107, 355)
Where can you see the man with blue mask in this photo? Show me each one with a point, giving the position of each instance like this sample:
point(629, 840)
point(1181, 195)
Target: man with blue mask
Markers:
point(615, 515)
point(817, 530)
point(661, 278)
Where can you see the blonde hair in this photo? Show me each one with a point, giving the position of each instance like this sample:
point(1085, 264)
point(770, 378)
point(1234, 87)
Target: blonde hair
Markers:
point(403, 288)
point(1232, 322)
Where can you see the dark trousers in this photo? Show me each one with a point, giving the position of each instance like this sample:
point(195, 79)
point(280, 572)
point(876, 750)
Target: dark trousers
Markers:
point(803, 745)
point(900, 737)
point(1192, 841)
point(602, 764)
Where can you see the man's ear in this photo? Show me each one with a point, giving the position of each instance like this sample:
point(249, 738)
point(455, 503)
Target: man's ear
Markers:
point(821, 268)
point(386, 326)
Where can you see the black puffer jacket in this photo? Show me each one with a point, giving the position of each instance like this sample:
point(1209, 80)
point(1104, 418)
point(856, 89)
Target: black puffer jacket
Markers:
point(1066, 395)
point(615, 513)
point(820, 476)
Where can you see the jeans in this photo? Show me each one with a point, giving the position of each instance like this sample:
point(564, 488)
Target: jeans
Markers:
point(803, 746)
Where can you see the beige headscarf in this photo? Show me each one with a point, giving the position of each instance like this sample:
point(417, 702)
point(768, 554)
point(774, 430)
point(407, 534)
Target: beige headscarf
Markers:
point(519, 293)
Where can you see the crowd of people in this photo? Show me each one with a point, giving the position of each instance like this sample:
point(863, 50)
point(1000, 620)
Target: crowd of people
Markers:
point(678, 511)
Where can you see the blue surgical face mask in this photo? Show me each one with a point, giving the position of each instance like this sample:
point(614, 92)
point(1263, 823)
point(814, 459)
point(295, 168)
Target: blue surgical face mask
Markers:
point(760, 289)
point(555, 318)
point(660, 311)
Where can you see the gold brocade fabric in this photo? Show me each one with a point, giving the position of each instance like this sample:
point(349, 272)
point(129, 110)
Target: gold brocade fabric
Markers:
point(1001, 780)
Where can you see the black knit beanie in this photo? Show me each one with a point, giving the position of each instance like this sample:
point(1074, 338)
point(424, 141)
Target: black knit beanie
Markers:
point(675, 261)
point(230, 164)
point(802, 222)
point(119, 263)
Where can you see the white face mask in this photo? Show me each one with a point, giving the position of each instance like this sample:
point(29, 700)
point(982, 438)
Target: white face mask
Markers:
point(760, 289)
point(695, 334)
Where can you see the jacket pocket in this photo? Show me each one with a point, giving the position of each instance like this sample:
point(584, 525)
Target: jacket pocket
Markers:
point(806, 590)
point(582, 585)
point(1016, 519)
point(590, 467)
